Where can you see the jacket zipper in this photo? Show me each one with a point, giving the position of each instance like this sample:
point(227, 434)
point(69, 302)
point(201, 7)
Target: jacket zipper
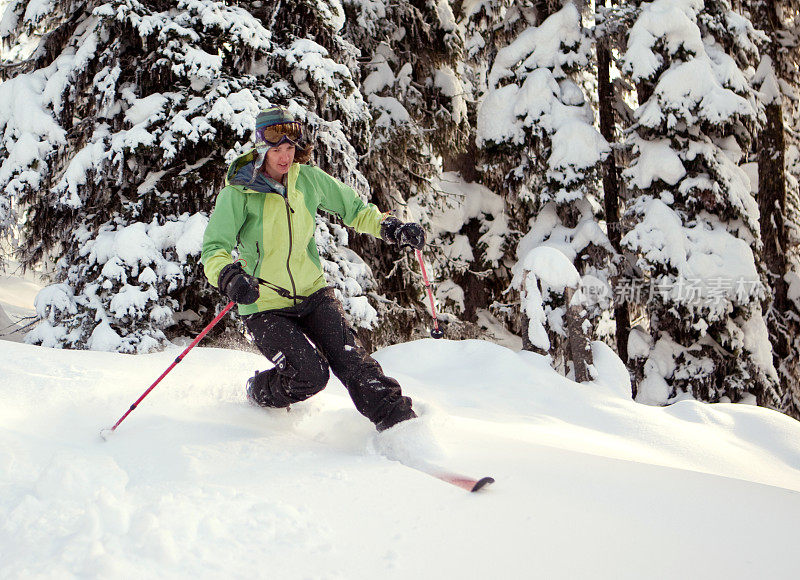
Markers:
point(258, 261)
point(289, 212)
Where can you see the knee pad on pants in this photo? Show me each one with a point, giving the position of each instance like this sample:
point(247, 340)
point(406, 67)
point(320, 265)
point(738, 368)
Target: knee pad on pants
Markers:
point(292, 385)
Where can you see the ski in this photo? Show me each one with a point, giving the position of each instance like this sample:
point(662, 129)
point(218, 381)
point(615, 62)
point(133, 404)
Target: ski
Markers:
point(464, 482)
point(470, 484)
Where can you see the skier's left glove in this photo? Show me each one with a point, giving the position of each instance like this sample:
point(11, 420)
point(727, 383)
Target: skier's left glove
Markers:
point(403, 234)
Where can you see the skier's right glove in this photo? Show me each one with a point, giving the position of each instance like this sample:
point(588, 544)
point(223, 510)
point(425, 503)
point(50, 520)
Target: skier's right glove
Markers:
point(237, 285)
point(403, 234)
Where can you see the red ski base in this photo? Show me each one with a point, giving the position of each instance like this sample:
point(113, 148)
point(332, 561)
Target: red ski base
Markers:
point(468, 483)
point(471, 484)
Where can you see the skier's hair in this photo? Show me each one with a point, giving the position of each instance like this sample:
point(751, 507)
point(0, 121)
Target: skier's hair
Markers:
point(303, 154)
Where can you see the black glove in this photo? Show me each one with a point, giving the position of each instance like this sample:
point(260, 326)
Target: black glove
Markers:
point(237, 285)
point(403, 234)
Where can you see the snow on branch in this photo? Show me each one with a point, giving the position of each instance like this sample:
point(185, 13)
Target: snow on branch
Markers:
point(463, 202)
point(531, 103)
point(118, 299)
point(558, 45)
point(663, 25)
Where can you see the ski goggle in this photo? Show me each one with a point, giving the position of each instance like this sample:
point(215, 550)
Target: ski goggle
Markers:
point(274, 135)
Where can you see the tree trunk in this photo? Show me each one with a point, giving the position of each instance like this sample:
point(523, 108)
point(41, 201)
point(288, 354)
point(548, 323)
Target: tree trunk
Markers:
point(611, 185)
point(579, 346)
point(781, 317)
point(526, 340)
point(772, 202)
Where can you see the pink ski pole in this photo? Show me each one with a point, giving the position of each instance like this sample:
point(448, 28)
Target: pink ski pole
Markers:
point(106, 432)
point(436, 332)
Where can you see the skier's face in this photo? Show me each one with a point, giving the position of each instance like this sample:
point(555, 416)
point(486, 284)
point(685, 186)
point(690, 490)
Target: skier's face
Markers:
point(278, 161)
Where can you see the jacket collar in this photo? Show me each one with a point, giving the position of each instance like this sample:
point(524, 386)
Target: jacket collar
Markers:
point(243, 172)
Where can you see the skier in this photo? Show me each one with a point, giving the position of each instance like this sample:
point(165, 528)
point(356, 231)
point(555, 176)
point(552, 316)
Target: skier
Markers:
point(265, 216)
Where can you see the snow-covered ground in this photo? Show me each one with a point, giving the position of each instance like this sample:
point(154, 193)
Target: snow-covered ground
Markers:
point(197, 483)
point(17, 293)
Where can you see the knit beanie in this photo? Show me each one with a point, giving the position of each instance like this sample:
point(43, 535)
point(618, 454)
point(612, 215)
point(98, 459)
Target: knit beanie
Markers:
point(273, 116)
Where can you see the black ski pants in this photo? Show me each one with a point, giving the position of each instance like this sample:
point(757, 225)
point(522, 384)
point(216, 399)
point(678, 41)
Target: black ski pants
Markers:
point(285, 337)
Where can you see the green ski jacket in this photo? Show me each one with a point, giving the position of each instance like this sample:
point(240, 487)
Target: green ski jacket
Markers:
point(272, 232)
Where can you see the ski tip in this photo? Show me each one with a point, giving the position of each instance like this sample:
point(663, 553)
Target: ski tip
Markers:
point(481, 483)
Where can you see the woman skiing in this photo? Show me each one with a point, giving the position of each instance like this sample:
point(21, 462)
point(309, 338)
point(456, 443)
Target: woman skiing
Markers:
point(265, 216)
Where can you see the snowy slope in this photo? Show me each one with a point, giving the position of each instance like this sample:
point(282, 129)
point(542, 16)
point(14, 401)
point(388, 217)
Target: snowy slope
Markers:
point(196, 483)
point(17, 294)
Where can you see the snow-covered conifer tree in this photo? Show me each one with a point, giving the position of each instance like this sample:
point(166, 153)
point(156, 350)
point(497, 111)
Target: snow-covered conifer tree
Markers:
point(414, 83)
point(778, 79)
point(537, 124)
point(693, 222)
point(476, 223)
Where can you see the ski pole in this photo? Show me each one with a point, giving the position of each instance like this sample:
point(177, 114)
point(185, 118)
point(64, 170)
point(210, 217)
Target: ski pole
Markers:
point(106, 432)
point(436, 332)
